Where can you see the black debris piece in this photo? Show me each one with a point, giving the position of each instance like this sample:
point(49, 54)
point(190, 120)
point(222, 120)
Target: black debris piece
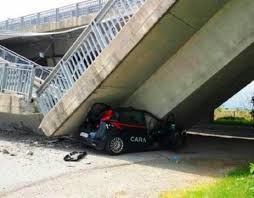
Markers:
point(75, 156)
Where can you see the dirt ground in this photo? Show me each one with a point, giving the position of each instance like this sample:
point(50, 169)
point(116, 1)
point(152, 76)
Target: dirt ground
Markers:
point(32, 166)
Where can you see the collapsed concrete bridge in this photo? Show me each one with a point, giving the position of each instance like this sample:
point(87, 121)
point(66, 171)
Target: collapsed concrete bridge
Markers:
point(176, 60)
point(164, 56)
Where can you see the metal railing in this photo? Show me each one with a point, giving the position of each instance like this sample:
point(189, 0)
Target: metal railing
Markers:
point(13, 57)
point(16, 78)
point(41, 72)
point(54, 15)
point(95, 38)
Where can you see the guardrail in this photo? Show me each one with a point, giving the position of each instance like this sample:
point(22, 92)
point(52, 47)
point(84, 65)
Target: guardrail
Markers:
point(54, 15)
point(41, 72)
point(95, 38)
point(16, 78)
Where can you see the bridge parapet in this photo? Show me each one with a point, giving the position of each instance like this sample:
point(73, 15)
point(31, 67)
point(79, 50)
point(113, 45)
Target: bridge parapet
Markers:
point(83, 8)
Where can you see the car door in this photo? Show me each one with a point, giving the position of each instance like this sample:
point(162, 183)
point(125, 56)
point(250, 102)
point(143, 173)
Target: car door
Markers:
point(134, 128)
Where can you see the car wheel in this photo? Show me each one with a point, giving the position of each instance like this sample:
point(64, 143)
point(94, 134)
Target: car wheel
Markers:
point(115, 145)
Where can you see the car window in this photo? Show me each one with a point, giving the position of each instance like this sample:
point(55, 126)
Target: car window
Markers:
point(99, 108)
point(151, 122)
point(132, 117)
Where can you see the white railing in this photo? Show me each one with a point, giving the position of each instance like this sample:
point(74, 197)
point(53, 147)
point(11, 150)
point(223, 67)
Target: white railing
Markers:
point(54, 15)
point(16, 78)
point(95, 38)
point(41, 72)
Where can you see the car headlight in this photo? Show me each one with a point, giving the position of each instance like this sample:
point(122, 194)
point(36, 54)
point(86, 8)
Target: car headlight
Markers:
point(83, 134)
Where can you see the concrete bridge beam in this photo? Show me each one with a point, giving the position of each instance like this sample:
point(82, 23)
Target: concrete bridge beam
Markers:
point(215, 63)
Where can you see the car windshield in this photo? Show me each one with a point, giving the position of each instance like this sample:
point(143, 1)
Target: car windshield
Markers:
point(131, 117)
point(96, 111)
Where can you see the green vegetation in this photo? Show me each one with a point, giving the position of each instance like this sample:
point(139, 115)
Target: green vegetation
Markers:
point(234, 121)
point(252, 168)
point(237, 184)
point(233, 117)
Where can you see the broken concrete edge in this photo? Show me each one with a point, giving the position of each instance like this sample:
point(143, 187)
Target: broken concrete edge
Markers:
point(24, 122)
point(16, 104)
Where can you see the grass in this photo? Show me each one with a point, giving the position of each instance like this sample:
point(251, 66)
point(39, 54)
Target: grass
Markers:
point(234, 121)
point(237, 184)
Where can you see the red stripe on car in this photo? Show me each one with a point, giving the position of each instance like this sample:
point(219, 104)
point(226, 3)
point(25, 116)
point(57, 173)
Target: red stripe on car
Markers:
point(120, 125)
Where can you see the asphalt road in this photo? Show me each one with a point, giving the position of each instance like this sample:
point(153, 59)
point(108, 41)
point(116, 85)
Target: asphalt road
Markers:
point(45, 174)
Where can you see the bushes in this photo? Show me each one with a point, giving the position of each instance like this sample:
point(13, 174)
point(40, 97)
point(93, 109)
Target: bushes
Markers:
point(252, 169)
point(234, 121)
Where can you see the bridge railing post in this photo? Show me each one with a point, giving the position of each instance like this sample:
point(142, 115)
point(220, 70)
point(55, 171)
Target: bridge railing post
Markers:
point(22, 23)
point(38, 18)
point(77, 10)
point(57, 15)
point(31, 83)
point(100, 4)
point(7, 24)
point(3, 77)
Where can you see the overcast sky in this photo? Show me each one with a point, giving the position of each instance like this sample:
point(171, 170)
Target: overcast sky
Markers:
point(17, 8)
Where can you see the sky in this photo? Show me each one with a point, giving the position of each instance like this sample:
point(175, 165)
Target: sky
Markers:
point(18, 8)
point(242, 99)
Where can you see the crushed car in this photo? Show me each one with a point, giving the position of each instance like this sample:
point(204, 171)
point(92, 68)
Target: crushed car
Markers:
point(125, 129)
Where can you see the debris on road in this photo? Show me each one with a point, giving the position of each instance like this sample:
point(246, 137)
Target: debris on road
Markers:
point(4, 151)
point(54, 141)
point(36, 143)
point(75, 156)
point(29, 153)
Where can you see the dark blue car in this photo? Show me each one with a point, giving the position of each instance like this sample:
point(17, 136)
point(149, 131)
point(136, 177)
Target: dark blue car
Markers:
point(119, 130)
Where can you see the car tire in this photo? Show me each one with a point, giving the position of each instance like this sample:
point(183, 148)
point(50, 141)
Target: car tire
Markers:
point(115, 145)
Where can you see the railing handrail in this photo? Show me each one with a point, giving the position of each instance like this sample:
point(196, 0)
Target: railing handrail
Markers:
point(45, 69)
point(54, 13)
point(74, 46)
point(2, 61)
point(16, 65)
point(19, 56)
